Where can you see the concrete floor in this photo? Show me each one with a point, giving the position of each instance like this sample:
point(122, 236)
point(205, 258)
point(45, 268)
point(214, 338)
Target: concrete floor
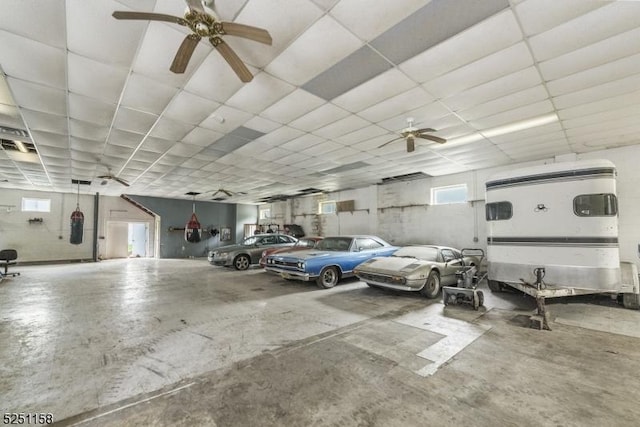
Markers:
point(179, 342)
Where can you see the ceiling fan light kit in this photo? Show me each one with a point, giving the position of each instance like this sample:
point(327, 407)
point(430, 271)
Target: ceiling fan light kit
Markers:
point(205, 25)
point(410, 133)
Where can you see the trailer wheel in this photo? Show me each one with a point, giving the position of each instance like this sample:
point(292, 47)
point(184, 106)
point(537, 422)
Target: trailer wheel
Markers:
point(494, 285)
point(631, 301)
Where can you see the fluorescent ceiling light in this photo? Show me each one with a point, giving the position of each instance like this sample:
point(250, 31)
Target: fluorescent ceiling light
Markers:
point(21, 146)
point(505, 129)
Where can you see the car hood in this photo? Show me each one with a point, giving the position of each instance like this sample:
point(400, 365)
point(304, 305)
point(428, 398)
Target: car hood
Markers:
point(229, 248)
point(307, 254)
point(392, 265)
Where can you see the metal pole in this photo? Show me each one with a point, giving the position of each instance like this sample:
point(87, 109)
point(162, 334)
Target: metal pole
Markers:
point(96, 205)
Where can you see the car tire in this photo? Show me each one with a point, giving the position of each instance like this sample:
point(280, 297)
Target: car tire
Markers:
point(328, 278)
point(494, 285)
point(241, 262)
point(431, 286)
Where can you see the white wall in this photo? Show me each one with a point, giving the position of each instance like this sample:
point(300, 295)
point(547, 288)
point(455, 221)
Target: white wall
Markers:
point(49, 240)
point(401, 212)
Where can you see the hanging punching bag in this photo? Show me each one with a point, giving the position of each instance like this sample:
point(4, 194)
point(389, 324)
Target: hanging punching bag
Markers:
point(77, 225)
point(192, 231)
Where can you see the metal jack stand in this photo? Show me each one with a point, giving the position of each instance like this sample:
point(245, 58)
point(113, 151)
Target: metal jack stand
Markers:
point(540, 320)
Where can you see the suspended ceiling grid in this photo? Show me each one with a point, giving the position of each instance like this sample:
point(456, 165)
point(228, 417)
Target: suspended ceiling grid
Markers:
point(95, 94)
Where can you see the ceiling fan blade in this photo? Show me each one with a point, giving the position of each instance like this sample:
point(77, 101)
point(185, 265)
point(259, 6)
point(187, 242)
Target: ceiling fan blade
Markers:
point(424, 130)
point(232, 59)
point(119, 14)
point(389, 142)
point(247, 31)
point(181, 60)
point(411, 145)
point(433, 138)
point(121, 181)
point(228, 193)
point(195, 5)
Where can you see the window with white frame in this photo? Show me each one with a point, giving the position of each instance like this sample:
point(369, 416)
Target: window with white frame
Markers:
point(328, 207)
point(36, 205)
point(265, 213)
point(449, 194)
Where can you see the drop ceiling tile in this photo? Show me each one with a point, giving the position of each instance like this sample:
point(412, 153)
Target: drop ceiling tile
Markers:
point(146, 156)
point(214, 79)
point(532, 135)
point(225, 119)
point(401, 103)
point(611, 71)
point(202, 137)
point(170, 129)
point(442, 18)
point(275, 153)
point(322, 149)
point(599, 24)
point(298, 15)
point(502, 63)
point(367, 132)
point(44, 64)
point(56, 164)
point(515, 82)
point(86, 145)
point(172, 160)
point(40, 21)
point(37, 120)
point(91, 110)
point(322, 45)
point(292, 106)
point(10, 116)
point(263, 91)
point(322, 116)
point(134, 120)
point(604, 126)
point(124, 138)
point(537, 16)
point(511, 101)
point(423, 117)
point(87, 24)
point(155, 145)
point(589, 119)
point(145, 94)
point(96, 80)
point(253, 149)
point(379, 17)
point(195, 163)
point(341, 127)
point(49, 139)
point(291, 159)
point(515, 115)
point(374, 91)
point(118, 151)
point(184, 150)
point(88, 130)
point(595, 93)
point(487, 37)
point(262, 125)
point(156, 53)
point(38, 97)
point(602, 105)
point(616, 47)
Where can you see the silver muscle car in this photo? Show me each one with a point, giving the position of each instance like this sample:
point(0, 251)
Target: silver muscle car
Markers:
point(420, 268)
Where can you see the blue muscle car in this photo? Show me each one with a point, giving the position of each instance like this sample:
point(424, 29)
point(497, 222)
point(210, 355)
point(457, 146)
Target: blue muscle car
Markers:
point(332, 259)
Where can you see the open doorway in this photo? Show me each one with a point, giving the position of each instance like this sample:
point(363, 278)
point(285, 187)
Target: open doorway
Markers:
point(128, 240)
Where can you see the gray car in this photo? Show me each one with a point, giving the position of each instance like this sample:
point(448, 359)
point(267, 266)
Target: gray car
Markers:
point(248, 252)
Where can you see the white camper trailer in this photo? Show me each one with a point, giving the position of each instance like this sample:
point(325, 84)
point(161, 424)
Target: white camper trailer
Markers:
point(553, 231)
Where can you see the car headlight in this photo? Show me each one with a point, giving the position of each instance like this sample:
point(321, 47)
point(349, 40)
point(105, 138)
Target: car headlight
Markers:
point(223, 254)
point(301, 265)
point(264, 254)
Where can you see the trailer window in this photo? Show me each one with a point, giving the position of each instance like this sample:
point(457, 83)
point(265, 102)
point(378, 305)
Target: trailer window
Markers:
point(499, 211)
point(595, 205)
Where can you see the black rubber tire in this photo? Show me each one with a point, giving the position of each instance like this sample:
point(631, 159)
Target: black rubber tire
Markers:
point(328, 278)
point(494, 285)
point(431, 287)
point(480, 299)
point(241, 262)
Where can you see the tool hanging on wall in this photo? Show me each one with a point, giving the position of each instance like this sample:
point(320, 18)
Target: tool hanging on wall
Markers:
point(193, 229)
point(77, 223)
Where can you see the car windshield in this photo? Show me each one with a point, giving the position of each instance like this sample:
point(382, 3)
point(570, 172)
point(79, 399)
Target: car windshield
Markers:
point(305, 243)
point(420, 252)
point(334, 244)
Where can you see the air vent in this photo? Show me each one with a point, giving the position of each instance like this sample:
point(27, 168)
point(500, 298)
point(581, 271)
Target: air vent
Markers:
point(309, 191)
point(275, 198)
point(405, 177)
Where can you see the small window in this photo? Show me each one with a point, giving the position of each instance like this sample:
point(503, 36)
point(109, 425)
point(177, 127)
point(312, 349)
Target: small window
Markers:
point(595, 205)
point(36, 205)
point(327, 207)
point(448, 195)
point(265, 213)
point(499, 211)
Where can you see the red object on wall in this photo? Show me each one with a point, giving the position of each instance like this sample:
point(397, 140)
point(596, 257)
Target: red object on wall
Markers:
point(192, 231)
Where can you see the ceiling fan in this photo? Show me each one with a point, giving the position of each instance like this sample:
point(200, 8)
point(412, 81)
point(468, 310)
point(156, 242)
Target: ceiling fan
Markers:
point(203, 24)
point(410, 133)
point(112, 177)
point(227, 193)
